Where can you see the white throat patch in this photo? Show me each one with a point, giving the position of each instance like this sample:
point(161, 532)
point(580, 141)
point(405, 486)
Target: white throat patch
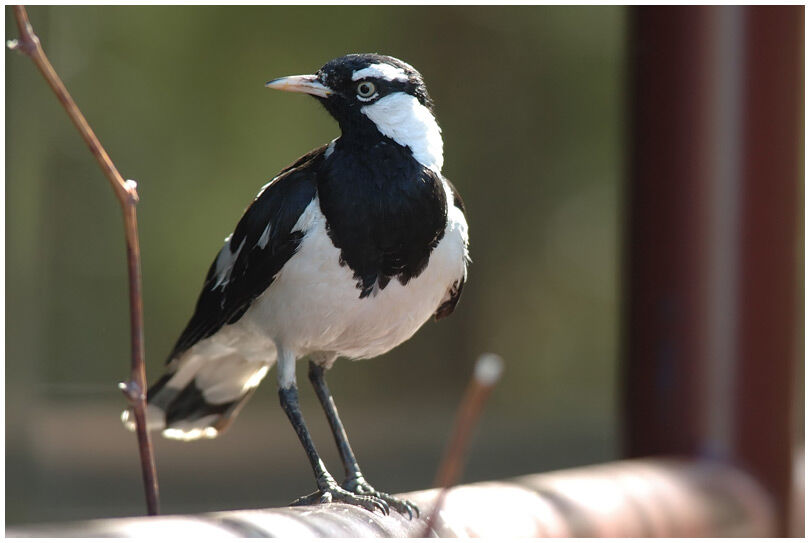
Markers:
point(402, 118)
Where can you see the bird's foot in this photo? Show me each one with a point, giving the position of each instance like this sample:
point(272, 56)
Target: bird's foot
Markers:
point(329, 491)
point(358, 486)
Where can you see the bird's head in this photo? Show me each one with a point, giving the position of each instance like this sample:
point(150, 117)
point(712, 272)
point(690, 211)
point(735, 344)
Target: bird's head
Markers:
point(371, 96)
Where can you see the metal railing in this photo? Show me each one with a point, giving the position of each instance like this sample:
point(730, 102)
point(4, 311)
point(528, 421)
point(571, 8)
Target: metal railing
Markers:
point(634, 498)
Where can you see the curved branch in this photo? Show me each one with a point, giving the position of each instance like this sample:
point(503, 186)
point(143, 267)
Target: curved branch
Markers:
point(125, 190)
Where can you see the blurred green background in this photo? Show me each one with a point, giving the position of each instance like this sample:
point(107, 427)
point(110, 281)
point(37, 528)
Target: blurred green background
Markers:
point(529, 99)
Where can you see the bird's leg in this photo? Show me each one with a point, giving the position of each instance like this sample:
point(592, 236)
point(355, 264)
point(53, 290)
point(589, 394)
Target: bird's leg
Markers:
point(354, 482)
point(328, 489)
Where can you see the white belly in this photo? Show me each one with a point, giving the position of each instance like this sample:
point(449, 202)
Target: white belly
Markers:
point(314, 306)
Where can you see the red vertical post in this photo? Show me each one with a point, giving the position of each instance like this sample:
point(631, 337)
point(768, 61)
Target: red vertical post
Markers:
point(712, 239)
point(666, 230)
point(769, 291)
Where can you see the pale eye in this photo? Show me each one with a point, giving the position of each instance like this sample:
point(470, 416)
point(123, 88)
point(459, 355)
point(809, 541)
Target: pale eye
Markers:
point(366, 89)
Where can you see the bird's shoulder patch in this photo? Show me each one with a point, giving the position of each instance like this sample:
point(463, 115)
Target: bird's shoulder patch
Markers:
point(264, 240)
point(450, 301)
point(457, 201)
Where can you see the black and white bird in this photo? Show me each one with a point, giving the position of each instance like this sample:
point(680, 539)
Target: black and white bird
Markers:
point(345, 253)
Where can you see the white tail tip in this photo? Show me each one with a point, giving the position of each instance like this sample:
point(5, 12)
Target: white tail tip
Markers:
point(155, 419)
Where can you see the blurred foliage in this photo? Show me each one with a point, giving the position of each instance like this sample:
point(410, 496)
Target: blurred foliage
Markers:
point(529, 99)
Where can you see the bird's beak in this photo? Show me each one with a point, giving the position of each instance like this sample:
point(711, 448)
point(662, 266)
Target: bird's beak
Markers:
point(308, 84)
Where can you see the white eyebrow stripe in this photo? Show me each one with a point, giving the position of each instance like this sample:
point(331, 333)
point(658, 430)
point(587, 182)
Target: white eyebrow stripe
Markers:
point(384, 71)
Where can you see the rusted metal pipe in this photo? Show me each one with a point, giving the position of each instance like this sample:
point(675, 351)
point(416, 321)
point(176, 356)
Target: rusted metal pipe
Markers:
point(636, 498)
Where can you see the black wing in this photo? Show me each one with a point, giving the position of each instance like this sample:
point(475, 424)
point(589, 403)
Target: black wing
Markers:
point(261, 244)
point(449, 305)
point(457, 201)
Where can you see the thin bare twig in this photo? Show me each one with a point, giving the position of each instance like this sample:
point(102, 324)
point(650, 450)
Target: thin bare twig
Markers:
point(488, 370)
point(125, 191)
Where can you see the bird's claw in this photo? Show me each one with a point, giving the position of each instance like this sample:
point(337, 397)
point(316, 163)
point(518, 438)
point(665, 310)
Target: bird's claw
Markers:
point(359, 487)
point(332, 493)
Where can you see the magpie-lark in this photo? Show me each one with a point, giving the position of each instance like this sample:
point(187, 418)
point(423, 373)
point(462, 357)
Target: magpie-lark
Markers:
point(345, 253)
